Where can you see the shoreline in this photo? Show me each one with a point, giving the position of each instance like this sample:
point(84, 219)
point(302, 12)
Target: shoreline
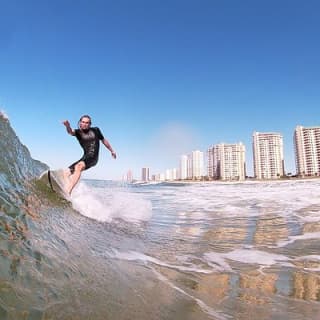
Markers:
point(226, 181)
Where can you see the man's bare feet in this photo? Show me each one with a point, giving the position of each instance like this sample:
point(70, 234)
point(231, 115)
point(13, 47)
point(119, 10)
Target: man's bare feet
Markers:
point(67, 182)
point(66, 174)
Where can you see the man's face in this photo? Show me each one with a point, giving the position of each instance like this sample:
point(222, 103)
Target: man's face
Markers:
point(85, 123)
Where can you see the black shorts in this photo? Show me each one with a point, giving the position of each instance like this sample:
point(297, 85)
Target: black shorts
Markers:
point(88, 161)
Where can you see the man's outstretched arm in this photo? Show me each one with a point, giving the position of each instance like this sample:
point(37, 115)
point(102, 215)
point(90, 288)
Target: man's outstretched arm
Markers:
point(108, 146)
point(68, 127)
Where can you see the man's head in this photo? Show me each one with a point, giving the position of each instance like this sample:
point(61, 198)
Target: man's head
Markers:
point(84, 122)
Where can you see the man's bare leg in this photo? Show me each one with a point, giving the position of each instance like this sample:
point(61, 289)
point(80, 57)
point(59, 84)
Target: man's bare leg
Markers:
point(74, 178)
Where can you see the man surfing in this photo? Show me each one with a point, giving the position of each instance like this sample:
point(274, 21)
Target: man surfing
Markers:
point(89, 139)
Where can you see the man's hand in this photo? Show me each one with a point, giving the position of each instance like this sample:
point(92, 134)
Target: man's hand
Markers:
point(66, 123)
point(114, 155)
point(68, 127)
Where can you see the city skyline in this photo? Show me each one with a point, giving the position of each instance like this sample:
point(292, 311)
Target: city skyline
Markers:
point(158, 78)
point(268, 159)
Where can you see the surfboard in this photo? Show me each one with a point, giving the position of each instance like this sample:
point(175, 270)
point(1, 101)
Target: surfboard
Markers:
point(55, 180)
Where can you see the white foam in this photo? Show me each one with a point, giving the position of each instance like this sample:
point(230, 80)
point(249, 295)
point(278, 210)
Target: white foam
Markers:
point(218, 262)
point(312, 269)
point(106, 204)
point(248, 256)
point(252, 256)
point(290, 199)
point(309, 217)
point(310, 258)
point(216, 314)
point(306, 236)
point(4, 115)
point(137, 256)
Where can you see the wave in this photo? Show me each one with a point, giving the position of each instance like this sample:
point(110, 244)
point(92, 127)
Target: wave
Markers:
point(17, 173)
point(48, 265)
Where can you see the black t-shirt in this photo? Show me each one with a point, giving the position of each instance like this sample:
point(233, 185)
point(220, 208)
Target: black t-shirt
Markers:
point(89, 141)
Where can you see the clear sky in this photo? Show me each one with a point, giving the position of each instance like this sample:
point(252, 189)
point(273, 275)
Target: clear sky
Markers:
point(159, 77)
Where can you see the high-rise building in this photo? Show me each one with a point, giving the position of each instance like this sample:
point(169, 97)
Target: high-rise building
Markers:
point(189, 167)
point(176, 173)
point(145, 175)
point(173, 174)
point(268, 159)
point(197, 164)
point(307, 150)
point(227, 161)
point(210, 171)
point(129, 176)
point(183, 167)
point(168, 174)
point(158, 177)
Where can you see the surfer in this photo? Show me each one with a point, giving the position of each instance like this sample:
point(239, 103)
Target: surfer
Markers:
point(89, 138)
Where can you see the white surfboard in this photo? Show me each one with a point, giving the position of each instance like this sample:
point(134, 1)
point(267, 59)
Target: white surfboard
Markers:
point(55, 180)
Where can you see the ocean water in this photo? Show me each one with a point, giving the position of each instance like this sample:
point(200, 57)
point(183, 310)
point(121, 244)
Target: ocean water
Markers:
point(181, 251)
point(159, 251)
point(220, 250)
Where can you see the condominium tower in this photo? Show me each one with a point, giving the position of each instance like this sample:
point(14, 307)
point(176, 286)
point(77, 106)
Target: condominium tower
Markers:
point(227, 161)
point(268, 159)
point(129, 176)
point(145, 174)
point(195, 165)
point(171, 174)
point(307, 150)
point(183, 167)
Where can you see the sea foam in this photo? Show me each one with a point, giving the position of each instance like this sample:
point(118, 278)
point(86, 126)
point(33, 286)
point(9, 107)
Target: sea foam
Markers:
point(107, 204)
point(247, 256)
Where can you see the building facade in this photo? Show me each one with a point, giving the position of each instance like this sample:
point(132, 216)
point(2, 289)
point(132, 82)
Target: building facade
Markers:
point(307, 151)
point(192, 166)
point(183, 167)
point(145, 174)
point(171, 174)
point(197, 165)
point(227, 161)
point(129, 176)
point(211, 173)
point(268, 161)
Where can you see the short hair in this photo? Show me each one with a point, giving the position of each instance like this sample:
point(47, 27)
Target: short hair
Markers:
point(86, 116)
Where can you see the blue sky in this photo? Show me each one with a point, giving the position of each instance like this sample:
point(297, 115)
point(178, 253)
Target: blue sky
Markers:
point(160, 78)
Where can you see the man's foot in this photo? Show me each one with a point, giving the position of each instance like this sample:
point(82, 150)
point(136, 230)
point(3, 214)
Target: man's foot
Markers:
point(66, 174)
